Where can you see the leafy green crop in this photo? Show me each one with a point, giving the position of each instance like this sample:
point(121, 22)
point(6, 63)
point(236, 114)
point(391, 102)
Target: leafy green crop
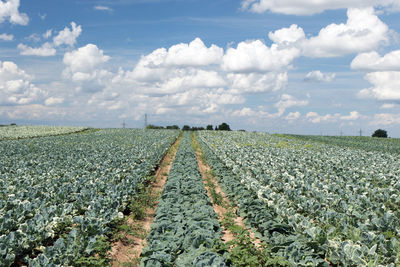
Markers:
point(18, 132)
point(312, 203)
point(391, 145)
point(185, 226)
point(60, 195)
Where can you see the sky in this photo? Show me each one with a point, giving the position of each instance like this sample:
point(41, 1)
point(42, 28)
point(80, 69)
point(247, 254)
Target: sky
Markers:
point(287, 66)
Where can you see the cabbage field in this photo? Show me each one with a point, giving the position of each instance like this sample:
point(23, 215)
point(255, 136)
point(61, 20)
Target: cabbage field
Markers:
point(310, 201)
point(18, 132)
point(59, 195)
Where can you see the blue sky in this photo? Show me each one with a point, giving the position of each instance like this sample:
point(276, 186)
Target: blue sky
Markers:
point(289, 66)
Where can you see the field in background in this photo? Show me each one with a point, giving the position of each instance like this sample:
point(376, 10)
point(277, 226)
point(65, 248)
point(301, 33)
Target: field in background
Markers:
point(19, 132)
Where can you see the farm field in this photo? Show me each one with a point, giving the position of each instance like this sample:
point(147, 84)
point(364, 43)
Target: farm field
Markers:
point(310, 201)
point(391, 145)
point(19, 132)
point(59, 195)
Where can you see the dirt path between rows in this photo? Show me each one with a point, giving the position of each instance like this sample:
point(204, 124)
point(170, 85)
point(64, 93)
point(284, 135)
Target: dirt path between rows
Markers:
point(127, 250)
point(220, 209)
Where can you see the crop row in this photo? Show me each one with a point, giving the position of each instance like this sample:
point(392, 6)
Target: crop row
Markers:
point(312, 202)
point(185, 226)
point(59, 195)
point(18, 132)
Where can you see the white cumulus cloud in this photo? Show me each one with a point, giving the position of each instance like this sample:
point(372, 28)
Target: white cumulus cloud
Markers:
point(354, 115)
point(6, 37)
point(16, 85)
point(288, 101)
point(255, 56)
point(68, 36)
point(256, 82)
point(386, 85)
point(45, 50)
point(193, 54)
point(287, 36)
point(53, 101)
point(314, 117)
point(362, 32)
point(192, 79)
point(9, 11)
point(307, 7)
point(372, 61)
point(257, 114)
point(292, 116)
point(318, 76)
point(386, 119)
point(85, 63)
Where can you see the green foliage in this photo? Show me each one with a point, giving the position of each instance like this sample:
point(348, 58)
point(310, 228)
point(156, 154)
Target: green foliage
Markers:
point(380, 133)
point(186, 128)
point(223, 127)
point(101, 248)
point(209, 127)
point(151, 126)
point(56, 203)
point(241, 251)
point(185, 226)
point(312, 204)
point(173, 127)
point(13, 131)
point(386, 145)
point(140, 202)
point(197, 128)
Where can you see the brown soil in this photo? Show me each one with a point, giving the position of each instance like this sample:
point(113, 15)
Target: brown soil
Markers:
point(220, 210)
point(126, 251)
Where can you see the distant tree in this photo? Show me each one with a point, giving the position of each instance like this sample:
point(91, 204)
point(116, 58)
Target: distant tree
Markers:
point(209, 127)
point(380, 133)
point(216, 128)
point(186, 128)
point(224, 127)
point(13, 124)
point(151, 126)
point(173, 127)
point(242, 130)
point(197, 128)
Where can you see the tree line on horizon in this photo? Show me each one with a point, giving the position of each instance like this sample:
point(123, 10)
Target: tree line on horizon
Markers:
point(222, 127)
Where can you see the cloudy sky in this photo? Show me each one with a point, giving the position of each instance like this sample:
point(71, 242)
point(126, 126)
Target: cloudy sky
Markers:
point(294, 66)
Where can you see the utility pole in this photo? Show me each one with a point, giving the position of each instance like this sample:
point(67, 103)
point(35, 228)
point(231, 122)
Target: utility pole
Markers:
point(341, 133)
point(123, 125)
point(145, 120)
point(360, 132)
